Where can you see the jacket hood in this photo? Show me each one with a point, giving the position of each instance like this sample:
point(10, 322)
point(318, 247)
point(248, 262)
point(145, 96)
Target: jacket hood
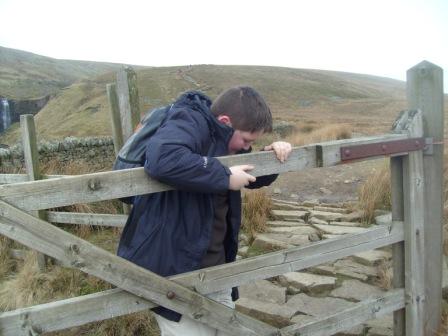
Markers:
point(199, 102)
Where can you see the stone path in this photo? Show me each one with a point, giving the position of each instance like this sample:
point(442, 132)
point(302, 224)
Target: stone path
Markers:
point(303, 296)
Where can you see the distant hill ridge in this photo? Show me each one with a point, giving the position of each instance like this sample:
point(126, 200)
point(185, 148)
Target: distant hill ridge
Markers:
point(26, 75)
point(81, 108)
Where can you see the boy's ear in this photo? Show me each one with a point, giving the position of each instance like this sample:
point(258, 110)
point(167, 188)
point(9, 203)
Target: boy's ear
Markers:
point(224, 119)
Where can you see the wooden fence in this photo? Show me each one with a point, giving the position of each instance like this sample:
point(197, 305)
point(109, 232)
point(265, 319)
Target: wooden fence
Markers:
point(415, 148)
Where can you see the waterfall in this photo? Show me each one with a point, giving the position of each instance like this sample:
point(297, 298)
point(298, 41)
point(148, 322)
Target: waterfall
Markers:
point(6, 114)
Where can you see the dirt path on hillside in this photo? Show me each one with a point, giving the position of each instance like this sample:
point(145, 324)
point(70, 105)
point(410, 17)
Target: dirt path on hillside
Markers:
point(327, 185)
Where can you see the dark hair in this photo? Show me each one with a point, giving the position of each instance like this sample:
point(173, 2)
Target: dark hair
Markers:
point(246, 108)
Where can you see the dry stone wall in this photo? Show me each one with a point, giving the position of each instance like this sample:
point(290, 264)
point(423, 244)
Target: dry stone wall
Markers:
point(98, 153)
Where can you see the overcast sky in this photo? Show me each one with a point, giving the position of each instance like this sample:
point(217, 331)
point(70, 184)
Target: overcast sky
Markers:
point(380, 37)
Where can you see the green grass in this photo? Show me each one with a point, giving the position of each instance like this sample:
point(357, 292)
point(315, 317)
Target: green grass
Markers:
point(82, 108)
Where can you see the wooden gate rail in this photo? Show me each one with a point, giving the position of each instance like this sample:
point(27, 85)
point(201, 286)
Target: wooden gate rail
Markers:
point(204, 280)
point(59, 244)
point(129, 182)
point(86, 218)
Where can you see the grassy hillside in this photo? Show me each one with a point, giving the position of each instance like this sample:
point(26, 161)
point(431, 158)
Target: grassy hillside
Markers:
point(293, 94)
point(27, 75)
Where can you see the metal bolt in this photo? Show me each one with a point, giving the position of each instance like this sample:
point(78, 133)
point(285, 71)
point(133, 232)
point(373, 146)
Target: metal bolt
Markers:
point(197, 316)
point(417, 143)
point(417, 232)
point(170, 295)
point(383, 147)
point(347, 152)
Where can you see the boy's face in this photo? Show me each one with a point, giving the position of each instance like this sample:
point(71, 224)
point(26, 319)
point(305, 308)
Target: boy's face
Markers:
point(242, 140)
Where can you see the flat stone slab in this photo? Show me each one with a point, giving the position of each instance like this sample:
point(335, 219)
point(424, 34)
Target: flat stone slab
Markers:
point(242, 251)
point(355, 331)
point(332, 209)
point(264, 242)
point(311, 203)
point(286, 206)
point(303, 319)
point(299, 222)
point(347, 268)
point(242, 238)
point(271, 313)
point(338, 230)
point(351, 224)
point(354, 290)
point(352, 269)
point(290, 239)
point(314, 220)
point(384, 219)
point(263, 290)
point(372, 258)
point(355, 216)
point(382, 326)
point(308, 282)
point(290, 214)
point(318, 307)
point(297, 230)
point(327, 216)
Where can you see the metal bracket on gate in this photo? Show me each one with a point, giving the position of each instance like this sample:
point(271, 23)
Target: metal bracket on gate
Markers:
point(356, 152)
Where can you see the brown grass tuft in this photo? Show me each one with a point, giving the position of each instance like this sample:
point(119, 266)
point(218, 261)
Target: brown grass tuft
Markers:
point(6, 262)
point(325, 133)
point(257, 206)
point(375, 192)
point(443, 331)
point(385, 275)
point(29, 286)
point(142, 323)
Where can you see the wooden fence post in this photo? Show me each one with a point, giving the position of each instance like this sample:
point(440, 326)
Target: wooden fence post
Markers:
point(117, 132)
point(425, 92)
point(31, 157)
point(396, 176)
point(128, 100)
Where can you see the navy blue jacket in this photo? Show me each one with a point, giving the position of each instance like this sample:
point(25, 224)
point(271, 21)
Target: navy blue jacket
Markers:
point(169, 232)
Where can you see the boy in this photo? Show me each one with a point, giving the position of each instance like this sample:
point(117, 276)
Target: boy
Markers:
point(197, 225)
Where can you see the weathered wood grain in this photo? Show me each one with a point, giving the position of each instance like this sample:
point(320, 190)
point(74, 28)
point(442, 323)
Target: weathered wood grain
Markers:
point(86, 218)
point(115, 119)
point(31, 158)
point(414, 219)
point(261, 267)
point(129, 182)
point(396, 175)
point(425, 92)
point(329, 153)
point(281, 262)
point(128, 100)
point(72, 312)
point(46, 238)
point(359, 313)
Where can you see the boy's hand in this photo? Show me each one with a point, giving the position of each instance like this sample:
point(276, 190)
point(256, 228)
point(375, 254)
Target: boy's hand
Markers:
point(281, 149)
point(239, 178)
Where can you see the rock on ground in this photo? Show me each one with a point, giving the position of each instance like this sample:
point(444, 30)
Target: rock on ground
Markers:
point(263, 290)
point(290, 214)
point(372, 258)
point(271, 313)
point(354, 290)
point(308, 282)
point(318, 307)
